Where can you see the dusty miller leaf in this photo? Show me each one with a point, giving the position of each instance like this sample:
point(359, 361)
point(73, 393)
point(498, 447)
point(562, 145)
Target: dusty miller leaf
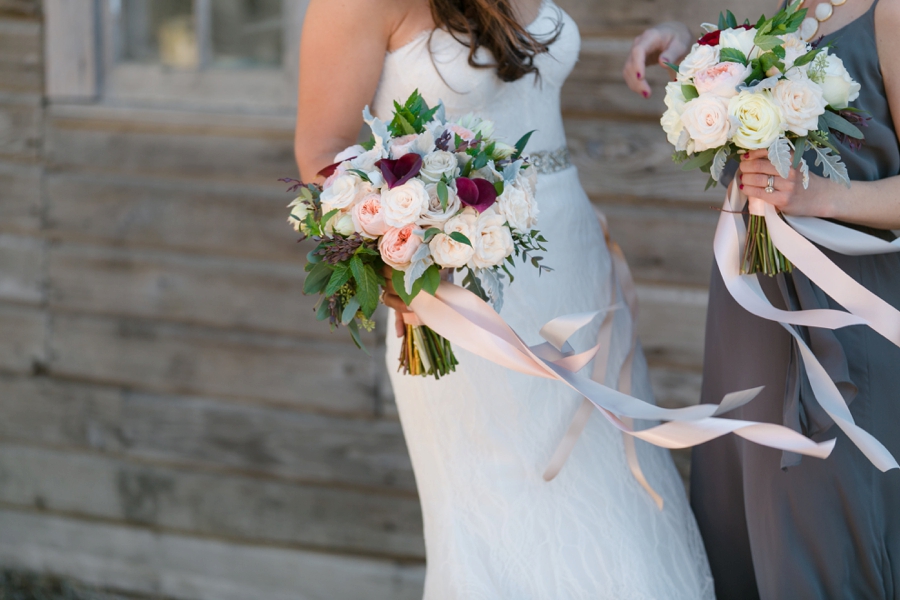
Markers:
point(718, 163)
point(492, 284)
point(804, 172)
point(420, 261)
point(832, 167)
point(780, 156)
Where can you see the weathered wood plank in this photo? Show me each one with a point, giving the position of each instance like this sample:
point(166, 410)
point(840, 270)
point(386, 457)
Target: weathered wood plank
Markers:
point(664, 244)
point(671, 325)
point(29, 8)
point(23, 331)
point(71, 49)
point(200, 289)
point(176, 358)
point(239, 508)
point(21, 268)
point(20, 198)
point(137, 560)
point(20, 57)
point(226, 151)
point(20, 130)
point(632, 160)
point(221, 219)
point(206, 433)
point(631, 16)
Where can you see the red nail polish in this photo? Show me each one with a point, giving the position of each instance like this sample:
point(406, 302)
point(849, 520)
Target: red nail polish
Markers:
point(645, 94)
point(741, 186)
point(638, 75)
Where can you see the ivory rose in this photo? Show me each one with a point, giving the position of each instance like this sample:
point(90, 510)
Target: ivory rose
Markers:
point(344, 191)
point(706, 121)
point(492, 240)
point(367, 217)
point(801, 102)
point(405, 203)
point(838, 87)
point(760, 122)
point(518, 206)
point(699, 58)
point(398, 244)
point(437, 164)
point(672, 125)
point(446, 251)
point(722, 79)
point(740, 39)
point(434, 215)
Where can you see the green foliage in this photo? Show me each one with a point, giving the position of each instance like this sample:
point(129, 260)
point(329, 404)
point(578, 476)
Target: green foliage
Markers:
point(731, 55)
point(689, 91)
point(411, 116)
point(460, 237)
point(367, 285)
point(699, 160)
point(443, 194)
point(520, 145)
point(835, 122)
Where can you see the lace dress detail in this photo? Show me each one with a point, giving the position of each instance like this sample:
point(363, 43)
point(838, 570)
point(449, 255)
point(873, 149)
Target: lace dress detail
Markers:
point(480, 438)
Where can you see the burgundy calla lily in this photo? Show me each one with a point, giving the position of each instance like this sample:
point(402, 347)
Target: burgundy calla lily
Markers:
point(480, 194)
point(329, 170)
point(397, 172)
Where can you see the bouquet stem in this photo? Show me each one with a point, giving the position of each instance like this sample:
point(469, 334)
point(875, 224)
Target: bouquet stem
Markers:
point(760, 254)
point(424, 352)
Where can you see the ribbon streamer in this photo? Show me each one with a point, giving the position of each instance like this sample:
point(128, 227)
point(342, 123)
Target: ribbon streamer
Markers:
point(864, 307)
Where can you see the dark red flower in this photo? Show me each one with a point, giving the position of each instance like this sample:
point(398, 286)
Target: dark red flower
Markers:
point(480, 194)
point(712, 38)
point(329, 170)
point(397, 172)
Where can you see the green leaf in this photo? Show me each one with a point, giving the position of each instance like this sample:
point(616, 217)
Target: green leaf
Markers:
point(353, 328)
point(730, 20)
point(520, 145)
point(829, 120)
point(443, 194)
point(399, 283)
point(779, 52)
point(322, 311)
point(799, 149)
point(807, 58)
point(339, 277)
point(361, 174)
point(430, 233)
point(499, 187)
point(710, 183)
point(671, 66)
point(480, 161)
point(327, 216)
point(767, 42)
point(457, 236)
point(689, 91)
point(317, 278)
point(731, 55)
point(366, 285)
point(723, 24)
point(699, 160)
point(350, 310)
point(431, 279)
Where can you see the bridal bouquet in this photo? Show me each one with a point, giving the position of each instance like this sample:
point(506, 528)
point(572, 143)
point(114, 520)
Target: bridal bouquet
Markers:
point(749, 87)
point(422, 196)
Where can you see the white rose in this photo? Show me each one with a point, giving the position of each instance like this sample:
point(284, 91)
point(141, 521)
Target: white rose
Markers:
point(446, 251)
point(839, 88)
point(492, 241)
point(351, 152)
point(344, 225)
point(343, 191)
point(503, 150)
point(403, 204)
point(740, 39)
point(760, 122)
point(672, 125)
point(299, 209)
point(801, 102)
point(437, 164)
point(794, 48)
point(366, 161)
point(434, 215)
point(518, 206)
point(699, 58)
point(706, 121)
point(675, 96)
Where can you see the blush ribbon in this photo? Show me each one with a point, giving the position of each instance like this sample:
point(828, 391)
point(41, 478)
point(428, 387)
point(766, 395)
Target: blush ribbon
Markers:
point(862, 306)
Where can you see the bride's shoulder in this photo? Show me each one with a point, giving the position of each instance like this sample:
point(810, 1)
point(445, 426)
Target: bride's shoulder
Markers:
point(387, 20)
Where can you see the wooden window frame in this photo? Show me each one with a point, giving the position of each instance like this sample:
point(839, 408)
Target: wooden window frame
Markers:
point(82, 67)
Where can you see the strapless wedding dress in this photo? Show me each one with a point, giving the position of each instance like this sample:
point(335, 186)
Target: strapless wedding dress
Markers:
point(481, 438)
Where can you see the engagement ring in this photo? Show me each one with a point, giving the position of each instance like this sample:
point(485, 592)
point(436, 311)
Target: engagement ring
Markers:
point(771, 185)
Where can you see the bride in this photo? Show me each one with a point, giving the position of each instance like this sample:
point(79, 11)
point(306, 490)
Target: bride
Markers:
point(480, 438)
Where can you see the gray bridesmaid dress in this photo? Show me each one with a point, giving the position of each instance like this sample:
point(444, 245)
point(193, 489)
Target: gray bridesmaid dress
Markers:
point(775, 526)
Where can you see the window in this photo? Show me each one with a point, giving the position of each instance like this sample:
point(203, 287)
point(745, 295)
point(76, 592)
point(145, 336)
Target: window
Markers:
point(205, 54)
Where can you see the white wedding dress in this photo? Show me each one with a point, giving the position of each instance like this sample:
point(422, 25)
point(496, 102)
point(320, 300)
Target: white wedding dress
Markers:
point(481, 438)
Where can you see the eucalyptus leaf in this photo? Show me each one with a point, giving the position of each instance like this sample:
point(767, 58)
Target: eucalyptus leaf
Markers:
point(460, 237)
point(317, 278)
point(353, 328)
point(699, 160)
point(350, 310)
point(443, 194)
point(799, 149)
point(829, 120)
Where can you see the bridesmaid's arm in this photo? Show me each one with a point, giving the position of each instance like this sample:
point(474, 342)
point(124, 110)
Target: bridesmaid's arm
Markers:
point(871, 203)
point(341, 57)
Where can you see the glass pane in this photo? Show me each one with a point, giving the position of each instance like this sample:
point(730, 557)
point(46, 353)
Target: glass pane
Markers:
point(159, 31)
point(247, 33)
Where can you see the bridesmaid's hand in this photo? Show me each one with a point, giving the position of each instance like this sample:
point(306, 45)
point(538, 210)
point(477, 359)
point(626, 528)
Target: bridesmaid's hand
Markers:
point(789, 196)
point(392, 300)
point(667, 42)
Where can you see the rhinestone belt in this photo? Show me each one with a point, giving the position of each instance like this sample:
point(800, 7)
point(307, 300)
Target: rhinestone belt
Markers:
point(546, 162)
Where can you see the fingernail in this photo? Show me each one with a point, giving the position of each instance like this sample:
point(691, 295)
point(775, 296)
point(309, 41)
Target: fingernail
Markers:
point(645, 94)
point(741, 186)
point(638, 75)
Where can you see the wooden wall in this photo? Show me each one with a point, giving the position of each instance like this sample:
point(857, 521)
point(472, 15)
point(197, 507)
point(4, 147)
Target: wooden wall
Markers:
point(173, 423)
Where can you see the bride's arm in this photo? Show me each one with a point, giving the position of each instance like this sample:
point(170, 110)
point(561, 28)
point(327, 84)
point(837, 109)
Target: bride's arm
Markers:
point(871, 203)
point(341, 56)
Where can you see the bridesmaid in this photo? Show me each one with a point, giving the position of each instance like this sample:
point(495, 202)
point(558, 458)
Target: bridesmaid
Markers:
point(776, 527)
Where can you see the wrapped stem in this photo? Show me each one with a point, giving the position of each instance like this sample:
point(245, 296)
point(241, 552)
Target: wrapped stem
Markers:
point(424, 353)
point(760, 254)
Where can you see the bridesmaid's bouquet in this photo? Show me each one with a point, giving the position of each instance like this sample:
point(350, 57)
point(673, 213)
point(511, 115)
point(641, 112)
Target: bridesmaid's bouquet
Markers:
point(749, 87)
point(422, 196)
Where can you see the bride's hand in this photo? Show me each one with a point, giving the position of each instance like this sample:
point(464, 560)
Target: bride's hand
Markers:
point(667, 42)
point(392, 300)
point(789, 196)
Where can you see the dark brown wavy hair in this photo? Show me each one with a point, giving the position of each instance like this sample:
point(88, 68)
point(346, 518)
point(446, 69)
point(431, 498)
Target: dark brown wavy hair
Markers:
point(492, 24)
